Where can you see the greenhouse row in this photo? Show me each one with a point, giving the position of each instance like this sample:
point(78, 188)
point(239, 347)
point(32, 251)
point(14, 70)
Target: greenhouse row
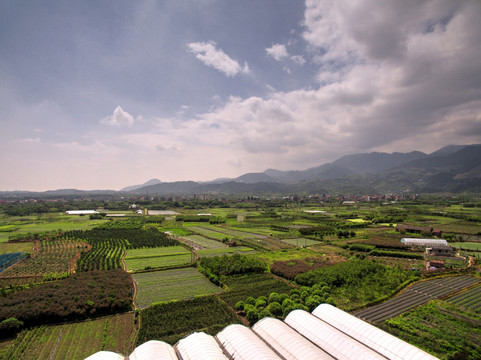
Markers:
point(326, 333)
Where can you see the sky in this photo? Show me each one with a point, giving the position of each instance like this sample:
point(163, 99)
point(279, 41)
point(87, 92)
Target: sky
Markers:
point(101, 94)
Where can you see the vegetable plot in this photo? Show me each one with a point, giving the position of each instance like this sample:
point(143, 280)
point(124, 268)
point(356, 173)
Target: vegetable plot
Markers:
point(414, 296)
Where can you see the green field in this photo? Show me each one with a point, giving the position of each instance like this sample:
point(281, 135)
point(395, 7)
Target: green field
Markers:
point(466, 245)
point(226, 251)
point(203, 242)
point(46, 223)
point(445, 330)
point(301, 242)
point(172, 284)
point(72, 341)
point(153, 258)
point(11, 247)
point(294, 246)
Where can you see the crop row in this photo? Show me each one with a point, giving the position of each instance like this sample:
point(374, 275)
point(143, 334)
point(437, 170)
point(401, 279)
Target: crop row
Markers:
point(72, 341)
point(470, 299)
point(51, 257)
point(414, 296)
point(443, 329)
point(109, 245)
point(203, 242)
point(169, 285)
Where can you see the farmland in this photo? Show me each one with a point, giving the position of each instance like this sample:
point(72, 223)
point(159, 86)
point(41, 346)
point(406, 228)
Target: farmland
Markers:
point(156, 258)
point(171, 285)
point(442, 329)
point(172, 321)
point(51, 258)
point(416, 295)
point(468, 299)
point(74, 340)
point(246, 261)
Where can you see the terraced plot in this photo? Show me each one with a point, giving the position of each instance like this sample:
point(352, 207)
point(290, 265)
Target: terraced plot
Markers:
point(175, 284)
point(200, 242)
point(256, 241)
point(470, 299)
point(414, 296)
point(156, 258)
point(51, 257)
point(226, 251)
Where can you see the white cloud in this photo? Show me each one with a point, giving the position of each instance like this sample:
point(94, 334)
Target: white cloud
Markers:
point(422, 92)
point(278, 51)
point(118, 118)
point(298, 59)
point(216, 58)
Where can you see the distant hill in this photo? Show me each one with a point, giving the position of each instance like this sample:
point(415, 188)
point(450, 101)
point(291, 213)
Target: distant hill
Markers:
point(454, 168)
point(148, 183)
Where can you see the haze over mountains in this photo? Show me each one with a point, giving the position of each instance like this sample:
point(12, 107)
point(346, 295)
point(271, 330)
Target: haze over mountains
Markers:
point(454, 168)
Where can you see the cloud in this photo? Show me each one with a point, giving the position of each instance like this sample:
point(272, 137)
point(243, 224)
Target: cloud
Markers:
point(298, 59)
point(118, 118)
point(278, 51)
point(216, 58)
point(422, 92)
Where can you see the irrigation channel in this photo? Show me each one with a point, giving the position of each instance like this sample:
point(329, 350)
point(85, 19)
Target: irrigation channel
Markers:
point(415, 295)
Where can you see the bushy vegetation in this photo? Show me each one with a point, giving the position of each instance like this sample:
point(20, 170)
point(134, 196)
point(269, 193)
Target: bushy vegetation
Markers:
point(357, 282)
point(280, 305)
point(217, 266)
point(81, 296)
point(171, 321)
point(240, 287)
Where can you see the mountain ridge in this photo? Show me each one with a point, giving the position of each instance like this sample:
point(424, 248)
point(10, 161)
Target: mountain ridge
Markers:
point(453, 168)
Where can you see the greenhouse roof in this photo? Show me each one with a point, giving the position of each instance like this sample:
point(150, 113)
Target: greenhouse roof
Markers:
point(424, 242)
point(327, 333)
point(375, 338)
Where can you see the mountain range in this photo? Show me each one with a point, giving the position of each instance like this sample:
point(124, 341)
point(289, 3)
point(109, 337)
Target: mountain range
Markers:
point(453, 168)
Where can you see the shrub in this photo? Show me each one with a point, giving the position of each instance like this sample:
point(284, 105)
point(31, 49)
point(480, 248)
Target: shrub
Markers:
point(10, 327)
point(275, 308)
point(252, 315)
point(239, 306)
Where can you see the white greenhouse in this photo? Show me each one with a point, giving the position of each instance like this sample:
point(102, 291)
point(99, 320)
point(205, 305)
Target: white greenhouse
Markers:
point(188, 348)
point(287, 341)
point(328, 333)
point(373, 337)
point(424, 242)
point(241, 343)
point(328, 338)
point(153, 350)
point(106, 355)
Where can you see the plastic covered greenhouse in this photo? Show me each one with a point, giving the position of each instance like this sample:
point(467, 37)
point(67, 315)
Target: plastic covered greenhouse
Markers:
point(328, 333)
point(377, 339)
